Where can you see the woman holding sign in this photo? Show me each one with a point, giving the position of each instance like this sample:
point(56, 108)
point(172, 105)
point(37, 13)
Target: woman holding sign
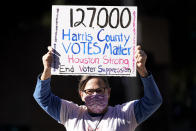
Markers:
point(96, 114)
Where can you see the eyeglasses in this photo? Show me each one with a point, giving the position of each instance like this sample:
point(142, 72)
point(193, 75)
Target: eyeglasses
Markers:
point(98, 91)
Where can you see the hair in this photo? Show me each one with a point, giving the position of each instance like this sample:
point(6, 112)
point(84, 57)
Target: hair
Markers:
point(86, 78)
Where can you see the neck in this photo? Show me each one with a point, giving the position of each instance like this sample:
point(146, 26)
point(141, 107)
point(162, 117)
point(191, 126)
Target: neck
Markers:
point(97, 114)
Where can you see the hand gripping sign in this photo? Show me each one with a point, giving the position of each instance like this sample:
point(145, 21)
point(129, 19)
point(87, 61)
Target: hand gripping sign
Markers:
point(94, 40)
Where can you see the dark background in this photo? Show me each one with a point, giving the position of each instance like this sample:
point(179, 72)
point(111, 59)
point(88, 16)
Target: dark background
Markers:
point(167, 33)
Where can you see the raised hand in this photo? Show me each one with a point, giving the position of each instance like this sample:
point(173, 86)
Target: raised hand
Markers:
point(47, 61)
point(141, 61)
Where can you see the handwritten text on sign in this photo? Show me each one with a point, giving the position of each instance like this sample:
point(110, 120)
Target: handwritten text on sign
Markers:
point(94, 40)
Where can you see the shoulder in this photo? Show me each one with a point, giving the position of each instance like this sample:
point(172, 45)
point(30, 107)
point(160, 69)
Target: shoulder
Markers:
point(70, 106)
point(123, 108)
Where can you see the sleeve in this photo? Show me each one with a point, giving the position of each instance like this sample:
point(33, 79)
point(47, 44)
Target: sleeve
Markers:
point(46, 99)
point(150, 102)
point(127, 115)
point(70, 111)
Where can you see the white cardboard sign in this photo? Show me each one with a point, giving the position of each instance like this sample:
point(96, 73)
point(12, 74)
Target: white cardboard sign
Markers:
point(94, 40)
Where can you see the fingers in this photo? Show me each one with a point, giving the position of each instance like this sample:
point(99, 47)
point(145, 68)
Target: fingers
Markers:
point(138, 47)
point(139, 59)
point(50, 49)
point(47, 58)
point(48, 55)
point(140, 56)
point(139, 53)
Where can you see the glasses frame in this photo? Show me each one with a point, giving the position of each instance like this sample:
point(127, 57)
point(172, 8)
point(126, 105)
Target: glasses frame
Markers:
point(92, 91)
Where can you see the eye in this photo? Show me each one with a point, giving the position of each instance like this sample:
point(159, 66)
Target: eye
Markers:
point(89, 91)
point(100, 90)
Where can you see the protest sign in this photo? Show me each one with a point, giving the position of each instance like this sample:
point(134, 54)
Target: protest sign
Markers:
point(94, 40)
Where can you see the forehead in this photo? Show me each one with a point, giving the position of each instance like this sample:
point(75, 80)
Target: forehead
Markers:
point(95, 83)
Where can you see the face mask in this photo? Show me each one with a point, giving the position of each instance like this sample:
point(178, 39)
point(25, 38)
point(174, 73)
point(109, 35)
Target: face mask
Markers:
point(96, 103)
